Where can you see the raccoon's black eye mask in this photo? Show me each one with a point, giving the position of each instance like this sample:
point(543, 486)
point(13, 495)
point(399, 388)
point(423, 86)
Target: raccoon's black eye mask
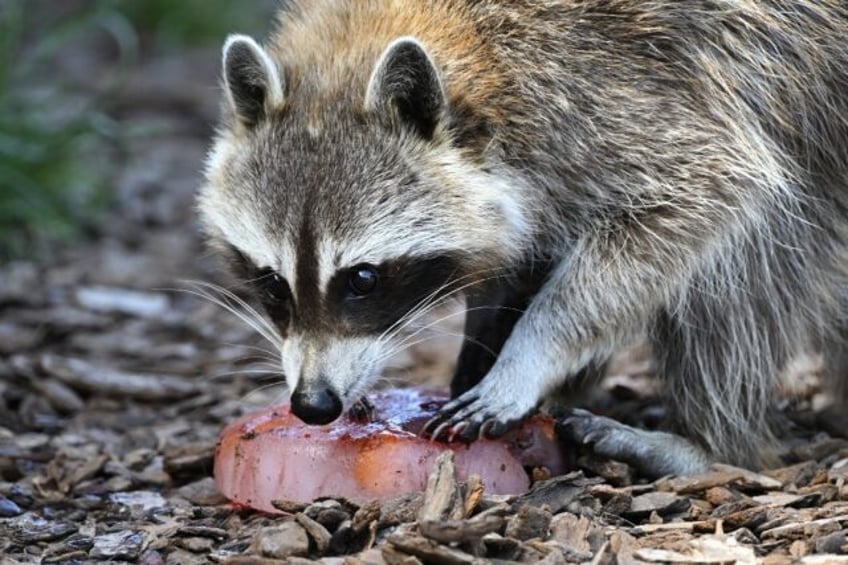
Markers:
point(370, 298)
point(266, 285)
point(275, 294)
point(359, 300)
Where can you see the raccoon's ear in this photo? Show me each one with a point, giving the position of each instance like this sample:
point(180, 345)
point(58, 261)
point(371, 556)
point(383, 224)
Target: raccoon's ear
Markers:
point(251, 79)
point(405, 85)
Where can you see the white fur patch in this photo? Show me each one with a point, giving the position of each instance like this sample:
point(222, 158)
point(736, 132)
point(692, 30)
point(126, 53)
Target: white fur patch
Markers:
point(492, 219)
point(292, 358)
point(237, 226)
point(237, 223)
point(286, 266)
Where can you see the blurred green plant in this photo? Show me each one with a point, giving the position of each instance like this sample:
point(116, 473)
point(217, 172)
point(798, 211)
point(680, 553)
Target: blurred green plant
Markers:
point(181, 22)
point(52, 181)
point(58, 146)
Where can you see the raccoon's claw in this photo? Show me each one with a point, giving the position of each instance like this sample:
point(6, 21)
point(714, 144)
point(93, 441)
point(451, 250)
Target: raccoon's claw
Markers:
point(495, 428)
point(449, 423)
point(362, 410)
point(468, 418)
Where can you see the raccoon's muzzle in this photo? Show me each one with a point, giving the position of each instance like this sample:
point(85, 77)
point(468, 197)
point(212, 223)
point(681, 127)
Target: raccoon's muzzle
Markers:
point(316, 405)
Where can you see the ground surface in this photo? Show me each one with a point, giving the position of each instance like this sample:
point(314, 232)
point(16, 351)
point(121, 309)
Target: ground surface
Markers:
point(114, 386)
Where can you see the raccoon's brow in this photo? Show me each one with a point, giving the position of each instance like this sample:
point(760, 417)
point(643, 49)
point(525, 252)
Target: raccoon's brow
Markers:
point(243, 267)
point(239, 263)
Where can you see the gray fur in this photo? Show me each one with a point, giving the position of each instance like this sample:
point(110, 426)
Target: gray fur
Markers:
point(681, 166)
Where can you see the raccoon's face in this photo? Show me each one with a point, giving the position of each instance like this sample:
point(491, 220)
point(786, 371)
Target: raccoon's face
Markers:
point(348, 221)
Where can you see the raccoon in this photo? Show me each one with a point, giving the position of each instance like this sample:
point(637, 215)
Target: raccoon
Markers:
point(584, 172)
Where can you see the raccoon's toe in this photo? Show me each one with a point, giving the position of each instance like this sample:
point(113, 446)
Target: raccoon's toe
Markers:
point(585, 428)
point(361, 411)
point(653, 453)
point(469, 417)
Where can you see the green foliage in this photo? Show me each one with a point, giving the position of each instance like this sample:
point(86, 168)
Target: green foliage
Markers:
point(52, 183)
point(58, 146)
point(180, 22)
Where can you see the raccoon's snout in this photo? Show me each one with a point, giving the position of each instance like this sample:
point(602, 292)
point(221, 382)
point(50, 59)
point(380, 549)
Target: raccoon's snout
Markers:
point(316, 406)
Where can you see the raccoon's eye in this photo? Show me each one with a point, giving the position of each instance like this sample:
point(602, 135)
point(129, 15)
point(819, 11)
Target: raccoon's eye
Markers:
point(363, 279)
point(273, 286)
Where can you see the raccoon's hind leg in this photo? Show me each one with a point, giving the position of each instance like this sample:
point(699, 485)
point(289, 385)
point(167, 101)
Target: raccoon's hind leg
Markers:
point(718, 365)
point(653, 453)
point(835, 351)
point(720, 361)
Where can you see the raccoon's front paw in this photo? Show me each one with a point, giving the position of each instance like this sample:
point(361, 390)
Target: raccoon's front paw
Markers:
point(475, 414)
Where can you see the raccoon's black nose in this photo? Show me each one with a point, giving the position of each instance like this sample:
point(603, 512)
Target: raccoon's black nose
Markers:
point(316, 407)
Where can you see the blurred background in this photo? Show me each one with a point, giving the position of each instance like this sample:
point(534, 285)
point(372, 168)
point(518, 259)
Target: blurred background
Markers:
point(84, 84)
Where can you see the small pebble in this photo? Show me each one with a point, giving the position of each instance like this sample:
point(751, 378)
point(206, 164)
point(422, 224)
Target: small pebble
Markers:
point(284, 540)
point(141, 499)
point(8, 508)
point(32, 529)
point(202, 492)
point(122, 301)
point(119, 545)
point(195, 545)
point(328, 513)
point(319, 534)
point(659, 502)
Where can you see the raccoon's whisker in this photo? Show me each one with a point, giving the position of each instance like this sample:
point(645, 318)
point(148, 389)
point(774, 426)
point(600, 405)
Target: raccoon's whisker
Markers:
point(428, 326)
point(250, 372)
point(460, 313)
point(244, 317)
point(404, 343)
point(244, 312)
point(388, 354)
point(420, 312)
point(412, 319)
point(277, 382)
point(391, 381)
point(428, 303)
point(407, 342)
point(241, 303)
point(272, 355)
point(423, 304)
point(267, 364)
point(255, 359)
point(231, 296)
point(245, 399)
point(383, 378)
point(206, 294)
point(248, 359)
point(432, 300)
point(449, 316)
